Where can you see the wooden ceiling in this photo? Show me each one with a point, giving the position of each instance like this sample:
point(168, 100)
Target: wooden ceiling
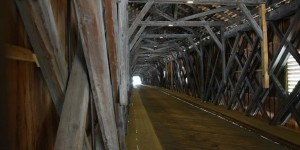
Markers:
point(159, 28)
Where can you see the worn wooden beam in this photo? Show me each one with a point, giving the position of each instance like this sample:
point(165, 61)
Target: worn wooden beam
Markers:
point(176, 12)
point(111, 18)
point(223, 53)
point(182, 23)
point(205, 13)
point(139, 17)
point(110, 23)
point(168, 35)
point(138, 34)
point(40, 26)
point(214, 36)
point(91, 27)
point(20, 53)
point(124, 50)
point(264, 46)
point(136, 45)
point(71, 129)
point(159, 12)
point(252, 21)
point(226, 2)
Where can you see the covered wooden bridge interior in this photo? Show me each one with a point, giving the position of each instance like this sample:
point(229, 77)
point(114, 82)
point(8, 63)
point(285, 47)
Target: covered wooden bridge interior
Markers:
point(67, 66)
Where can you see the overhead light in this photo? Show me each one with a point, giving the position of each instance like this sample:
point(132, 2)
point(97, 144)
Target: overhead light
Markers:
point(170, 25)
point(161, 37)
point(190, 2)
point(155, 46)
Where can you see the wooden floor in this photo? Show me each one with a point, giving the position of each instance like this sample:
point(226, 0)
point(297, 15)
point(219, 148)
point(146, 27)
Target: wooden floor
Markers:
point(180, 126)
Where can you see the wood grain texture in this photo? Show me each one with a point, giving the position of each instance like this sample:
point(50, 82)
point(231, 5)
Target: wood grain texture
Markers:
point(39, 23)
point(91, 27)
point(31, 113)
point(264, 46)
point(111, 24)
point(71, 130)
point(32, 117)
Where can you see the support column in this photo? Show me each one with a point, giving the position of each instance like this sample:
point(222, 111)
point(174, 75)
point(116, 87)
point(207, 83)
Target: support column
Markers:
point(264, 46)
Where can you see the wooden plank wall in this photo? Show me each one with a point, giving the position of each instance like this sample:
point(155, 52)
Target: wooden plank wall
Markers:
point(32, 118)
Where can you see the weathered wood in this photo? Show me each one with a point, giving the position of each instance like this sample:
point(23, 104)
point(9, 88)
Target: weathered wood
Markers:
point(214, 36)
point(91, 27)
point(20, 53)
point(168, 35)
point(205, 13)
point(123, 51)
point(43, 35)
point(110, 19)
point(182, 23)
point(139, 17)
point(138, 34)
point(223, 51)
point(227, 2)
point(111, 16)
point(264, 46)
point(252, 21)
point(40, 26)
point(71, 130)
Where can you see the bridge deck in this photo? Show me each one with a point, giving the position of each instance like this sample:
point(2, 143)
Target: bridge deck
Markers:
point(180, 126)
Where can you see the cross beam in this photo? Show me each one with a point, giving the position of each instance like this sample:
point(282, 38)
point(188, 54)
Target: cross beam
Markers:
point(168, 35)
point(227, 2)
point(182, 23)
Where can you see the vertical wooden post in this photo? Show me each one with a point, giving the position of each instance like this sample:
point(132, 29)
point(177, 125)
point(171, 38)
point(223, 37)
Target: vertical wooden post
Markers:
point(71, 130)
point(171, 65)
point(223, 51)
point(264, 46)
point(123, 51)
point(91, 26)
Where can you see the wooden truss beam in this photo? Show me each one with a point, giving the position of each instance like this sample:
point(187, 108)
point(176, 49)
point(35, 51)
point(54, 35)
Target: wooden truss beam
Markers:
point(205, 13)
point(40, 26)
point(139, 17)
point(214, 36)
point(168, 35)
point(138, 34)
point(226, 2)
point(124, 52)
point(91, 27)
point(182, 23)
point(264, 46)
point(71, 129)
point(252, 21)
point(111, 25)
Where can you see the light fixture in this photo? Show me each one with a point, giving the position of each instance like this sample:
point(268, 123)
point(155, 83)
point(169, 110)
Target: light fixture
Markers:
point(155, 46)
point(161, 37)
point(170, 25)
point(190, 2)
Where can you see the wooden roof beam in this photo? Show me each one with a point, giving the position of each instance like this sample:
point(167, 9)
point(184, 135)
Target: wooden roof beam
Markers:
point(139, 18)
point(182, 23)
point(138, 34)
point(252, 21)
point(205, 13)
point(214, 37)
point(168, 35)
point(225, 2)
